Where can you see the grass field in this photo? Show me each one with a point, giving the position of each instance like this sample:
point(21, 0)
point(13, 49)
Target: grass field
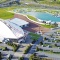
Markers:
point(47, 26)
point(31, 17)
point(5, 15)
point(34, 36)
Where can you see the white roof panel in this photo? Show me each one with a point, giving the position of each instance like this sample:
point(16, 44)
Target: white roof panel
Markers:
point(10, 30)
point(19, 22)
point(18, 31)
point(5, 31)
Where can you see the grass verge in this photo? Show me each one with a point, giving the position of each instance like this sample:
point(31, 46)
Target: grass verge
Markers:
point(5, 15)
point(32, 18)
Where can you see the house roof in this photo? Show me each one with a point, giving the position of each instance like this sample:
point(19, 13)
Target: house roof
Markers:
point(10, 30)
point(19, 22)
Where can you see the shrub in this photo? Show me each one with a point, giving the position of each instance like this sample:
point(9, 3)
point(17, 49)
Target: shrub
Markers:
point(15, 46)
point(0, 56)
point(21, 58)
point(37, 49)
point(33, 41)
point(41, 43)
point(9, 57)
point(28, 48)
point(41, 49)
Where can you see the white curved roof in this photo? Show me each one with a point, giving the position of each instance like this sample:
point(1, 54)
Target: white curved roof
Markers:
point(12, 32)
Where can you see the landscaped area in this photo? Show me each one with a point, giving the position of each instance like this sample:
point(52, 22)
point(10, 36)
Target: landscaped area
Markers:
point(5, 15)
point(27, 50)
point(3, 48)
point(34, 36)
point(32, 18)
point(36, 57)
point(47, 26)
point(14, 46)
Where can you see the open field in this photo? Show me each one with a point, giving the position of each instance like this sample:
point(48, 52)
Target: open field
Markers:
point(5, 15)
point(31, 17)
point(47, 26)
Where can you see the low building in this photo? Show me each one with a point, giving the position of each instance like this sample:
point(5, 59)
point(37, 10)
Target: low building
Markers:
point(58, 44)
point(20, 22)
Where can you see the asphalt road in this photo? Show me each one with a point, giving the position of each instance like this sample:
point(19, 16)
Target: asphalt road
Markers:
point(33, 48)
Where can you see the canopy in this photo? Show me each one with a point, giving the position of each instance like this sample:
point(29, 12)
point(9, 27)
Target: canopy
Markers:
point(19, 22)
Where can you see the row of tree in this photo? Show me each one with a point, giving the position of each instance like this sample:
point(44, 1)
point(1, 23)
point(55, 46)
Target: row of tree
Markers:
point(34, 57)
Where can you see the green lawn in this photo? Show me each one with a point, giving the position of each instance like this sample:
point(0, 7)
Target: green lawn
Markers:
point(3, 48)
point(34, 36)
point(5, 15)
point(31, 17)
point(47, 26)
point(2, 1)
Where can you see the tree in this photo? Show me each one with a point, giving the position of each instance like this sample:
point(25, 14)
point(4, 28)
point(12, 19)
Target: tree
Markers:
point(35, 0)
point(54, 0)
point(34, 57)
point(41, 43)
point(21, 58)
point(0, 56)
point(37, 49)
point(55, 24)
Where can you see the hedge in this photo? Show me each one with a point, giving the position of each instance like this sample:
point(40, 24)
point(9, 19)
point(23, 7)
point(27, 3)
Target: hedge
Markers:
point(27, 50)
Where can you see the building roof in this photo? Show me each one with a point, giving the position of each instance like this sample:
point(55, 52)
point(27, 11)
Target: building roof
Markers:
point(19, 22)
point(10, 30)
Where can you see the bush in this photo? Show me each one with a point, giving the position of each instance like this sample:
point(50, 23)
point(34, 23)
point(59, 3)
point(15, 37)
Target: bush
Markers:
point(55, 44)
point(15, 46)
point(0, 56)
point(41, 49)
point(5, 48)
point(9, 57)
point(21, 58)
point(33, 41)
point(45, 38)
point(27, 50)
point(41, 43)
point(37, 49)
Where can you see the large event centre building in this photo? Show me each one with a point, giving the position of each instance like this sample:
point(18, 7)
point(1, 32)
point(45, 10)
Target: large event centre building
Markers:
point(12, 29)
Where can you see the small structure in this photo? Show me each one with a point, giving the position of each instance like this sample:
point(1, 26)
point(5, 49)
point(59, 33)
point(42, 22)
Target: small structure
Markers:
point(1, 39)
point(58, 44)
point(20, 22)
